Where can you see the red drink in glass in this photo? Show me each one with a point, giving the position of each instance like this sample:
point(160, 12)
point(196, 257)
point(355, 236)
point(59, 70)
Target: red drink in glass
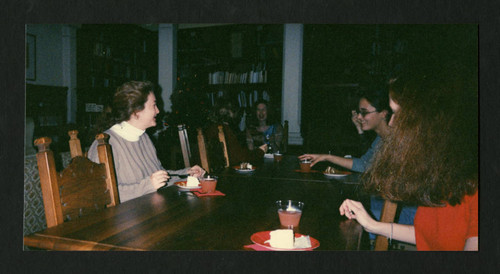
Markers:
point(278, 157)
point(208, 185)
point(305, 167)
point(289, 219)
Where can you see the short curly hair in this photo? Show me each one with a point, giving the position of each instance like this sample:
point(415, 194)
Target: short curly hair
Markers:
point(130, 98)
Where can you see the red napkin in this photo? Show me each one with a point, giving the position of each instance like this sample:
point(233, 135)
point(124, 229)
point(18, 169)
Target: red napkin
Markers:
point(312, 171)
point(216, 193)
point(257, 247)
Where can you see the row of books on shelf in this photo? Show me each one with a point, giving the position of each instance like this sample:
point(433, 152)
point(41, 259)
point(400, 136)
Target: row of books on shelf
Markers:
point(246, 99)
point(226, 77)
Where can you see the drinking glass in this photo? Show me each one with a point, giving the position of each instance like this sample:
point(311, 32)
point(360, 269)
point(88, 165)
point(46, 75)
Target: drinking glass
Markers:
point(289, 212)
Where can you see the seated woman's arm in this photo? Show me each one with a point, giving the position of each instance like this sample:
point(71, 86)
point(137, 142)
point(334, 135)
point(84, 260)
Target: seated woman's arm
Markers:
point(472, 244)
point(315, 158)
point(355, 210)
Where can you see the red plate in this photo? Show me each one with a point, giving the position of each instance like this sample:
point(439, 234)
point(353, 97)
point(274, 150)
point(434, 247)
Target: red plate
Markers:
point(182, 184)
point(260, 237)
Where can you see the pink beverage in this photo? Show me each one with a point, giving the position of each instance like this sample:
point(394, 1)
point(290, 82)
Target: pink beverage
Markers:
point(305, 167)
point(289, 218)
point(278, 157)
point(208, 185)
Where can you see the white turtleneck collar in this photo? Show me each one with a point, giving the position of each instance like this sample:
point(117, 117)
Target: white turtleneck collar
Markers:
point(127, 131)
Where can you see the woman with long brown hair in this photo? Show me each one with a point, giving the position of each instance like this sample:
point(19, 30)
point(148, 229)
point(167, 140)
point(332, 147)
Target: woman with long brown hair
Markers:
point(431, 159)
point(263, 129)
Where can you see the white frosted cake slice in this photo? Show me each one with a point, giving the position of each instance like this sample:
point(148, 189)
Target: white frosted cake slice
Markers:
point(245, 166)
point(281, 238)
point(192, 181)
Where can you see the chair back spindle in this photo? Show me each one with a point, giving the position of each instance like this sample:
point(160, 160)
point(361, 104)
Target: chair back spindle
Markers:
point(202, 147)
point(48, 182)
point(285, 137)
point(75, 146)
point(387, 215)
point(106, 158)
point(222, 139)
point(184, 140)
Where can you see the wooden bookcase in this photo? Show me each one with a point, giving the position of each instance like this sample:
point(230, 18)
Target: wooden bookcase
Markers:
point(107, 56)
point(244, 61)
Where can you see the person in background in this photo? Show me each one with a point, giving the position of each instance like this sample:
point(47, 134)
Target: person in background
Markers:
point(431, 159)
point(373, 114)
point(262, 129)
point(138, 169)
point(226, 113)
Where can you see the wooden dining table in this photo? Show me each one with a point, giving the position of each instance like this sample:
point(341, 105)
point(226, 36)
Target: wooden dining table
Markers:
point(175, 219)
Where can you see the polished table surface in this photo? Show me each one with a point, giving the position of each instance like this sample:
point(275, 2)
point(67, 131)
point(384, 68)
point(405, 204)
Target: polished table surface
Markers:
point(170, 219)
point(289, 169)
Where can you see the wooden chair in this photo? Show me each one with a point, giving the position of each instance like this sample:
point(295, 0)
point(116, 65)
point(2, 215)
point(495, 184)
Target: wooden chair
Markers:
point(82, 188)
point(222, 139)
point(184, 140)
point(284, 146)
point(202, 147)
point(75, 146)
point(387, 215)
point(213, 153)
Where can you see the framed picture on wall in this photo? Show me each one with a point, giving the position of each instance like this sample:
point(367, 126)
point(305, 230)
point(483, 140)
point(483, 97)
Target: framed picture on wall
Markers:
point(30, 57)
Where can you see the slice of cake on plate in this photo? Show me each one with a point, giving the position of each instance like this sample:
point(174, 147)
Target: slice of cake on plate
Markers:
point(192, 181)
point(281, 238)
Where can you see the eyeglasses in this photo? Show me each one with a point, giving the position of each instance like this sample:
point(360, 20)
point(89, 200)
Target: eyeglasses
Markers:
point(364, 112)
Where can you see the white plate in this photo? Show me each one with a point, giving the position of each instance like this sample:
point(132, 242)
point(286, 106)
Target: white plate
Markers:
point(237, 168)
point(335, 174)
point(178, 184)
point(244, 170)
point(268, 155)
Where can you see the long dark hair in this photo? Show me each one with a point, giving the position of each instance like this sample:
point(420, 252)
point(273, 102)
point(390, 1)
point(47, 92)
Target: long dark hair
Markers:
point(271, 116)
point(431, 155)
point(377, 94)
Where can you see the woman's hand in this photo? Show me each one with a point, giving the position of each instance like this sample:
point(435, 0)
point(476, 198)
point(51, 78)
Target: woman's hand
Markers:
point(196, 171)
point(355, 210)
point(315, 158)
point(356, 121)
point(263, 148)
point(159, 178)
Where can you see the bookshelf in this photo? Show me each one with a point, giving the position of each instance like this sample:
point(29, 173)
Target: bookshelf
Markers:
point(244, 61)
point(107, 56)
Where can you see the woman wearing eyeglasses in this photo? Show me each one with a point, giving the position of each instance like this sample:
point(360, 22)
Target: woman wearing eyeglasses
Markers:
point(374, 114)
